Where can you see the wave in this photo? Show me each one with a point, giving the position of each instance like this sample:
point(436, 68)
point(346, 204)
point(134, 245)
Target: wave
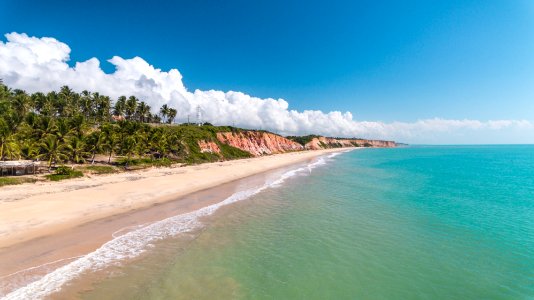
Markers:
point(133, 243)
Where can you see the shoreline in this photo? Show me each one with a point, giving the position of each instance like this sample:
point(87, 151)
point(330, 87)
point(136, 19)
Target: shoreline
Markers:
point(51, 223)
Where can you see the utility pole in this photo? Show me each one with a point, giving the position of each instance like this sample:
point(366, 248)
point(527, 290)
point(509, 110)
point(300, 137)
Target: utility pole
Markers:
point(199, 116)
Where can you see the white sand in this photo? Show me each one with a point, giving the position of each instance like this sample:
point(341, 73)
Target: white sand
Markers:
point(30, 211)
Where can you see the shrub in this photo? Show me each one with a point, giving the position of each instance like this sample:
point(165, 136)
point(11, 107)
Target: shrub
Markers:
point(102, 169)
point(64, 172)
point(12, 181)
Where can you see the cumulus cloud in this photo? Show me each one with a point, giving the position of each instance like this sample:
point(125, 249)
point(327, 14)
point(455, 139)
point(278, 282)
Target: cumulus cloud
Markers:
point(40, 64)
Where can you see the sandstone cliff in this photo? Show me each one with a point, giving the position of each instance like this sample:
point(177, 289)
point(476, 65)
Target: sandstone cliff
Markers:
point(324, 143)
point(258, 142)
point(209, 147)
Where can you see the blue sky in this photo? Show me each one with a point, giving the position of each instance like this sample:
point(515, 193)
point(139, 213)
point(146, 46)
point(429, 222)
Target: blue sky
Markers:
point(382, 60)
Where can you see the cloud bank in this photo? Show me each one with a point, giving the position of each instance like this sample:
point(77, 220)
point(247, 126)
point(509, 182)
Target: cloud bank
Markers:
point(40, 64)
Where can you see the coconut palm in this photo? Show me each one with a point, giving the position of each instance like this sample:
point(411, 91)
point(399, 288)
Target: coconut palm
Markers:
point(103, 109)
point(171, 115)
point(131, 107)
point(29, 150)
point(95, 142)
point(21, 103)
point(52, 151)
point(164, 111)
point(111, 140)
point(8, 145)
point(75, 150)
point(120, 106)
point(143, 111)
point(86, 104)
point(129, 147)
point(63, 130)
point(67, 101)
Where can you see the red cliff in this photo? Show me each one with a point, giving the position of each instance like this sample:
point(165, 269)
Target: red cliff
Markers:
point(210, 147)
point(258, 142)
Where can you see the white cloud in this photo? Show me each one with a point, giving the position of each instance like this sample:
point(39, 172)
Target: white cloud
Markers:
point(40, 64)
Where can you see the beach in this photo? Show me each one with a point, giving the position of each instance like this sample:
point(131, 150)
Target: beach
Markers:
point(44, 223)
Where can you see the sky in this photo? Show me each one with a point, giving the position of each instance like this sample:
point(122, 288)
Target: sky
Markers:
point(425, 72)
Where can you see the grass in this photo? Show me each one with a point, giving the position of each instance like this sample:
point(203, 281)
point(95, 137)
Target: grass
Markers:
point(101, 169)
point(144, 162)
point(15, 180)
point(57, 177)
point(64, 172)
point(303, 140)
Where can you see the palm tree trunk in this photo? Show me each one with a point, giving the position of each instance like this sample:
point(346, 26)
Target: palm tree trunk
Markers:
point(109, 159)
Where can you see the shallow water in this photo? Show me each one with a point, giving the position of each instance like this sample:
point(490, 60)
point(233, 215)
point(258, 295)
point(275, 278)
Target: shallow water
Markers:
point(404, 223)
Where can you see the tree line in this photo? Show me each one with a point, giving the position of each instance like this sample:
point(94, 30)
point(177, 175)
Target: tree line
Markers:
point(67, 126)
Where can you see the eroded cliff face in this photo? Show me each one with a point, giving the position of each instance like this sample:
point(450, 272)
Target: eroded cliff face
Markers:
point(325, 143)
point(210, 147)
point(376, 143)
point(258, 143)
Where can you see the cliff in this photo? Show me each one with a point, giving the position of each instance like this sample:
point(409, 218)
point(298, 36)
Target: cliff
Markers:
point(322, 142)
point(258, 143)
point(209, 147)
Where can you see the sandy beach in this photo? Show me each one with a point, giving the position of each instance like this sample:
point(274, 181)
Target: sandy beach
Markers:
point(44, 222)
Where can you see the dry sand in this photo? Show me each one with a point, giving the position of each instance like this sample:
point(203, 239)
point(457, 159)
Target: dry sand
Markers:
point(35, 219)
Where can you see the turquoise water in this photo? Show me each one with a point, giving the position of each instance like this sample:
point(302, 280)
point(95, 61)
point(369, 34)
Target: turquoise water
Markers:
point(405, 223)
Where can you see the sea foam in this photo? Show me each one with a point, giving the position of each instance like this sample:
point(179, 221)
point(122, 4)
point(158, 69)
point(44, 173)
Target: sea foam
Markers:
point(137, 241)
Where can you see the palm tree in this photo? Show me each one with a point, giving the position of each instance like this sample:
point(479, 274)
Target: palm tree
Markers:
point(103, 108)
point(50, 106)
point(63, 130)
point(164, 111)
point(39, 101)
point(120, 106)
point(131, 106)
point(21, 102)
point(171, 115)
point(95, 142)
point(52, 151)
point(159, 142)
point(78, 125)
point(67, 100)
point(86, 104)
point(46, 126)
point(8, 145)
point(111, 140)
point(155, 119)
point(129, 147)
point(143, 111)
point(29, 150)
point(75, 149)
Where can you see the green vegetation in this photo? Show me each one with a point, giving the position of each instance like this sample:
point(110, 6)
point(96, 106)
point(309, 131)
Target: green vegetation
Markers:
point(69, 127)
point(101, 169)
point(64, 172)
point(15, 180)
point(303, 140)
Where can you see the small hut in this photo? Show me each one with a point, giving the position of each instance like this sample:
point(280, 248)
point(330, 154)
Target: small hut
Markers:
point(19, 167)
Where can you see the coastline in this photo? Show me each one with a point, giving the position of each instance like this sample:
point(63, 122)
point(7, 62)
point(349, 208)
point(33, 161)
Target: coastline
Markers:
point(49, 222)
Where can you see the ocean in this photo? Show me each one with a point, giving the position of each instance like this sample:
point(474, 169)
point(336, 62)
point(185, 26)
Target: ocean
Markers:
point(419, 222)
